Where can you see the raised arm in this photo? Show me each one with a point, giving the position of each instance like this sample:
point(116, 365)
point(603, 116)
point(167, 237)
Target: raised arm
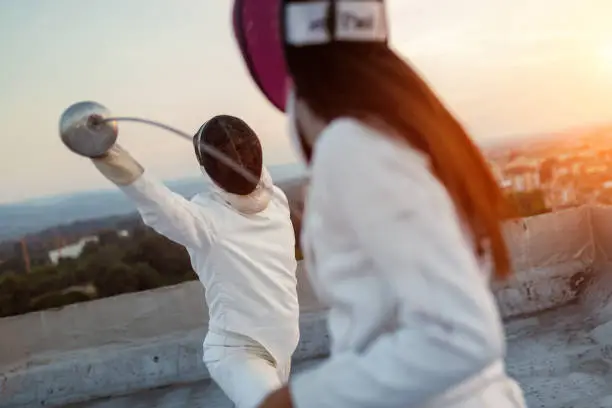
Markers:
point(166, 212)
point(402, 218)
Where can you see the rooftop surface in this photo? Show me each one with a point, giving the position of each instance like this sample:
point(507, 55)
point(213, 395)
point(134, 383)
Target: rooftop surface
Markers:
point(552, 355)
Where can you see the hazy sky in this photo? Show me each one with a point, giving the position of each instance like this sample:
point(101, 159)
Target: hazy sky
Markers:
point(504, 66)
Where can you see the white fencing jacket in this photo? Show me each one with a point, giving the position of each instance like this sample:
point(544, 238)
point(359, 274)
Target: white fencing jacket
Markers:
point(412, 320)
point(246, 261)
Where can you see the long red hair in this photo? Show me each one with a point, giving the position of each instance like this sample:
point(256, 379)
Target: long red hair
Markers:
point(358, 80)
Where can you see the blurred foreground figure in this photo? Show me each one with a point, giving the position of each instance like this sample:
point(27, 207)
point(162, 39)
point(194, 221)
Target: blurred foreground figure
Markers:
point(402, 215)
point(242, 246)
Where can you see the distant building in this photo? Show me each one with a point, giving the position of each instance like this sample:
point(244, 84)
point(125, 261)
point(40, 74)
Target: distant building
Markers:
point(523, 174)
point(70, 251)
point(506, 185)
point(562, 198)
point(74, 250)
point(570, 165)
point(596, 168)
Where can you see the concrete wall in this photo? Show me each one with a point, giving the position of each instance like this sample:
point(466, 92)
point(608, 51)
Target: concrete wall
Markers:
point(551, 254)
point(121, 344)
point(29, 339)
point(119, 320)
point(150, 339)
point(598, 296)
point(113, 370)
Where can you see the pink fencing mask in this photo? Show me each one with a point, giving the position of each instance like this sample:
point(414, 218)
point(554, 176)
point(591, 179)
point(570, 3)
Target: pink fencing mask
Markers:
point(257, 30)
point(263, 28)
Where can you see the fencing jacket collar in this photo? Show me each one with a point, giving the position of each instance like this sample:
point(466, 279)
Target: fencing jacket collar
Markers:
point(252, 203)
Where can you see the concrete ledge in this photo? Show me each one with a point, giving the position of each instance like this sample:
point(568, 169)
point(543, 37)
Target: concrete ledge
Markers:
point(120, 369)
point(552, 255)
point(196, 394)
point(52, 379)
point(542, 289)
point(125, 319)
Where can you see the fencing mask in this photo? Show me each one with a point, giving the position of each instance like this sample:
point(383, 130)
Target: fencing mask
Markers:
point(234, 138)
point(257, 28)
point(263, 28)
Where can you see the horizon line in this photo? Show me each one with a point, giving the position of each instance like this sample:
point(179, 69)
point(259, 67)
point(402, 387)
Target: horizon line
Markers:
point(69, 194)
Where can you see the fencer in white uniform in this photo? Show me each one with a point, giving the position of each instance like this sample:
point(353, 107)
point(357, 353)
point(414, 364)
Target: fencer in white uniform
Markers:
point(242, 246)
point(413, 319)
point(402, 230)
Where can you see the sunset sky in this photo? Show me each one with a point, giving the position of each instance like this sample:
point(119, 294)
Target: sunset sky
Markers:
point(505, 67)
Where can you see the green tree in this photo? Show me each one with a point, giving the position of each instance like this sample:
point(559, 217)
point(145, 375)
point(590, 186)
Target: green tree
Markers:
point(168, 258)
point(148, 278)
point(57, 299)
point(67, 263)
point(14, 295)
point(116, 279)
point(104, 257)
point(13, 264)
point(114, 265)
point(89, 248)
point(109, 237)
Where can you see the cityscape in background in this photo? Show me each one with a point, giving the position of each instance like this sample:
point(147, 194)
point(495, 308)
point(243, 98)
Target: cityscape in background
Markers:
point(559, 171)
point(543, 174)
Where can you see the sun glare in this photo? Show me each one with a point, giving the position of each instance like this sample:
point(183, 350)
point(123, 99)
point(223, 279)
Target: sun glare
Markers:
point(605, 55)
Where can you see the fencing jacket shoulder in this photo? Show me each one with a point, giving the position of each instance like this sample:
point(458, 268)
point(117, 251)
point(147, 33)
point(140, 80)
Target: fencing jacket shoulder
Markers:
point(245, 260)
point(412, 320)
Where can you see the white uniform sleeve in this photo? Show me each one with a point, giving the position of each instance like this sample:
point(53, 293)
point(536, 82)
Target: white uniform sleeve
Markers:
point(169, 213)
point(449, 329)
point(166, 212)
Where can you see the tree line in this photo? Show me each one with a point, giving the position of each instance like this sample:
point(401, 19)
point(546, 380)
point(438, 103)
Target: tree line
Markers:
point(111, 266)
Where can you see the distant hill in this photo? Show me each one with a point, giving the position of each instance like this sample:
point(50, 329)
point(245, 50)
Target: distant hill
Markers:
point(36, 215)
point(521, 140)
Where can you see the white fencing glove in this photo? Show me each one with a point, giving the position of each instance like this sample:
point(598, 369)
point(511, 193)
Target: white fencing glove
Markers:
point(119, 166)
